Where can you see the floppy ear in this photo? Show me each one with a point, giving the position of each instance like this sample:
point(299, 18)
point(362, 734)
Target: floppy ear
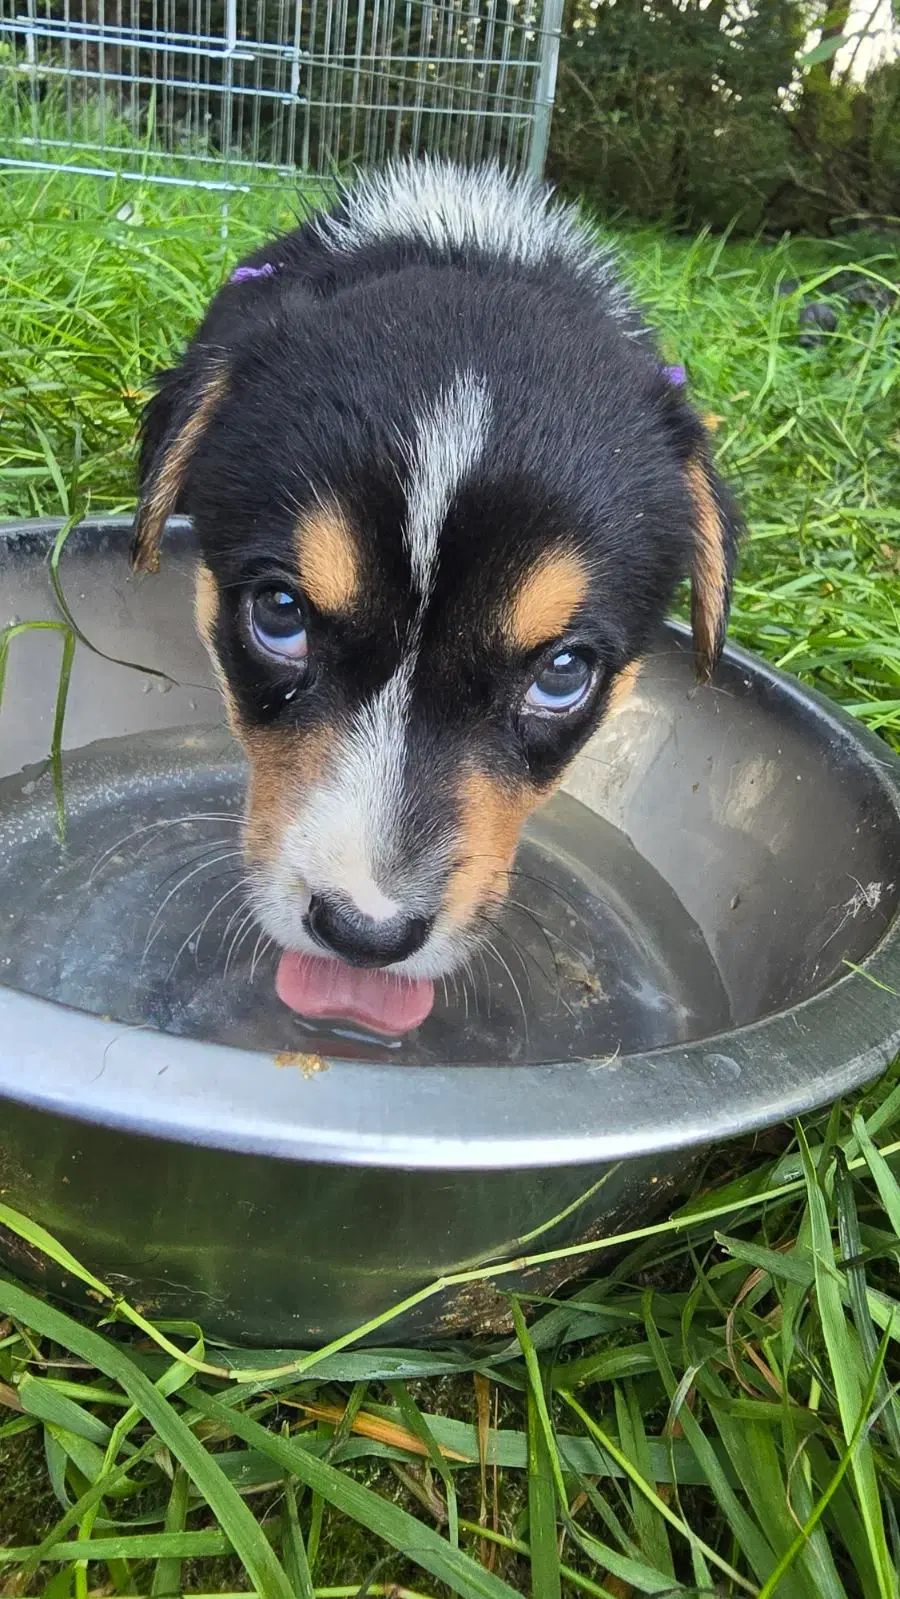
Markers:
point(172, 425)
point(716, 531)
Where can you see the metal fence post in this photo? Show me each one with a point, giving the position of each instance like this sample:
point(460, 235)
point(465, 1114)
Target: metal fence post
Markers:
point(545, 87)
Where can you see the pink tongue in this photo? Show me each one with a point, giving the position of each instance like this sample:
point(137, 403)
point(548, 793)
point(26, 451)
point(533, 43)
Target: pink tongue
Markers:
point(319, 987)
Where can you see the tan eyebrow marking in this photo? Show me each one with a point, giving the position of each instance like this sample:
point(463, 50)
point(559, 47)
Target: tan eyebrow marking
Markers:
point(328, 562)
point(547, 599)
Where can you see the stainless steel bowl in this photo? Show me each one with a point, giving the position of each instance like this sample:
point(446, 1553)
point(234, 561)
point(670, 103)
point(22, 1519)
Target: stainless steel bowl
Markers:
point(736, 851)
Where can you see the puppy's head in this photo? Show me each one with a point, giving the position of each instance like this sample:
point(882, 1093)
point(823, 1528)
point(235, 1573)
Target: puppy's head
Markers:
point(439, 523)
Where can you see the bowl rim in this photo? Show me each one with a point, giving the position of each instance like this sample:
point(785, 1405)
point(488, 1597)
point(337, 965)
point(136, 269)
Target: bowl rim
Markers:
point(360, 1113)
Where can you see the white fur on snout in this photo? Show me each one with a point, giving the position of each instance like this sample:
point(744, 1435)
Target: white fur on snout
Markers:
point(343, 841)
point(346, 840)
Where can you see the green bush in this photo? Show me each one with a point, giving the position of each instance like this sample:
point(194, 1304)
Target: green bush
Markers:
point(675, 113)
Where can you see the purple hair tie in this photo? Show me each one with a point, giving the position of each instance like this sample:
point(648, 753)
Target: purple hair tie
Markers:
point(243, 274)
point(676, 375)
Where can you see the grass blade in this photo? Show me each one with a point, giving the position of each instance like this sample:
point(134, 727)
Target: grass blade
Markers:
point(885, 1181)
point(846, 1367)
point(59, 717)
point(293, 1549)
point(542, 1529)
point(650, 1525)
point(39, 1237)
point(39, 1398)
point(90, 1500)
point(167, 1576)
point(650, 1495)
point(750, 1538)
point(236, 1521)
point(71, 624)
point(130, 1546)
point(536, 1390)
point(420, 1429)
point(402, 1531)
point(770, 1587)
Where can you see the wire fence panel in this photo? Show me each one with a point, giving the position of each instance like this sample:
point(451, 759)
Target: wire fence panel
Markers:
point(220, 92)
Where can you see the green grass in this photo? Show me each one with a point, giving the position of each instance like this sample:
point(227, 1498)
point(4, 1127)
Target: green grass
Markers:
point(716, 1412)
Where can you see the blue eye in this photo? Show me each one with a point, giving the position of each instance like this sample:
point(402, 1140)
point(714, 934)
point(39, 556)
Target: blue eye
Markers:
point(277, 625)
point(562, 684)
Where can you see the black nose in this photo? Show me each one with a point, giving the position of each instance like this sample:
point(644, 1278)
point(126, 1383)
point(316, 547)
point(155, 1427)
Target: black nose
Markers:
point(359, 939)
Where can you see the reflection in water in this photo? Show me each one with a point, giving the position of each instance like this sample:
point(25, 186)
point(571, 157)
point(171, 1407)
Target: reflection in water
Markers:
point(143, 917)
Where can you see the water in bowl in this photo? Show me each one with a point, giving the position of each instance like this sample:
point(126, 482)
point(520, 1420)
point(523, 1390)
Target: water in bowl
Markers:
point(142, 916)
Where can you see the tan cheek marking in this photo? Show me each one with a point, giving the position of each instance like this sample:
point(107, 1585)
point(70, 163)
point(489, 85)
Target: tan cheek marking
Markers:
point(708, 569)
point(491, 821)
point(284, 765)
point(546, 600)
point(622, 688)
point(206, 604)
point(328, 562)
point(160, 502)
point(206, 615)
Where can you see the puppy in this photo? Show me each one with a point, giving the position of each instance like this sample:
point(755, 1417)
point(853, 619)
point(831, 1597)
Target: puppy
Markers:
point(443, 494)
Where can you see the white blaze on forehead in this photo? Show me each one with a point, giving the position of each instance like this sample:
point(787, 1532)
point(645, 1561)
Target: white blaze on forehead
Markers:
point(448, 442)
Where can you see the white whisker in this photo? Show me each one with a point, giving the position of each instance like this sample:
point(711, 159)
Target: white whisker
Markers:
point(198, 931)
point(245, 927)
point(263, 944)
point(156, 923)
point(155, 827)
point(515, 987)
